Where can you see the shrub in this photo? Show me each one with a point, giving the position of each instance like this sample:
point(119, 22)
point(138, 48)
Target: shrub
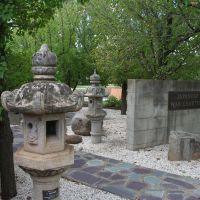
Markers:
point(112, 101)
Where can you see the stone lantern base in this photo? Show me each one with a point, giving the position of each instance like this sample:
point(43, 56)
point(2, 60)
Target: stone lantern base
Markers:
point(46, 187)
point(45, 170)
point(96, 130)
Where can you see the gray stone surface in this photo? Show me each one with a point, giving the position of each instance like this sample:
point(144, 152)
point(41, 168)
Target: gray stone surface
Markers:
point(80, 124)
point(147, 113)
point(44, 95)
point(15, 119)
point(129, 180)
point(183, 146)
point(184, 120)
point(46, 187)
point(43, 103)
point(95, 112)
point(68, 117)
point(73, 139)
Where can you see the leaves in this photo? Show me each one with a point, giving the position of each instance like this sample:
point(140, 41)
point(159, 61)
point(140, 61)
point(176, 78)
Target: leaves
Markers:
point(82, 1)
point(187, 3)
point(68, 34)
point(144, 39)
point(15, 18)
point(3, 67)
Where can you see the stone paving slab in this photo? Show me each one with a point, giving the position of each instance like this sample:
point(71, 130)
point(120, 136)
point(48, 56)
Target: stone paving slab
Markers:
point(131, 181)
point(124, 179)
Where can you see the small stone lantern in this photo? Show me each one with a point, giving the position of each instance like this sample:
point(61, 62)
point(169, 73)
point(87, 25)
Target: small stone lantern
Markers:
point(95, 112)
point(43, 104)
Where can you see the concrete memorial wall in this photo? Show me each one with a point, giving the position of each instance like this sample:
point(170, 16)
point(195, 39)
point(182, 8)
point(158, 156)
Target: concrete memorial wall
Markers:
point(147, 112)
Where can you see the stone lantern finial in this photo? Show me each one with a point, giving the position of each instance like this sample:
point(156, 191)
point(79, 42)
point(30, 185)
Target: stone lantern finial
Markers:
point(44, 64)
point(95, 78)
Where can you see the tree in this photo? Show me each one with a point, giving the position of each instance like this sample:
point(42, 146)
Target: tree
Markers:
point(74, 59)
point(16, 15)
point(145, 39)
point(69, 35)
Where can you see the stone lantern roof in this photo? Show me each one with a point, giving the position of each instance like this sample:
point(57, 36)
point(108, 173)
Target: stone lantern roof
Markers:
point(95, 89)
point(44, 94)
point(95, 78)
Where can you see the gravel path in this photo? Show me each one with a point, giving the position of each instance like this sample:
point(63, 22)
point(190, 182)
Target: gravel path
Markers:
point(113, 146)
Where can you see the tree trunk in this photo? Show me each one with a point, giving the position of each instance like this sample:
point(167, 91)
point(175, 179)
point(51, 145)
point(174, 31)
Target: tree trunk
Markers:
point(8, 185)
point(123, 98)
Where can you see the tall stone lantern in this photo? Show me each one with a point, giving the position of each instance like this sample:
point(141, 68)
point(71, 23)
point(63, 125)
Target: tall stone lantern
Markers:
point(95, 112)
point(43, 104)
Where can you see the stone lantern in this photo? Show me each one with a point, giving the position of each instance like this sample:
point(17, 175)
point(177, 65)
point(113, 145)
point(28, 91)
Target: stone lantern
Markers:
point(95, 112)
point(43, 103)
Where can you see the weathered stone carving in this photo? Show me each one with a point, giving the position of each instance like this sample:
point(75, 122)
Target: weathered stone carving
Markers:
point(42, 96)
point(43, 103)
point(183, 146)
point(33, 135)
point(95, 112)
point(81, 125)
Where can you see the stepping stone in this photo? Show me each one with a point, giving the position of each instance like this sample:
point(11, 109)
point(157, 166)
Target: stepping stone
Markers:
point(179, 183)
point(155, 193)
point(120, 191)
point(152, 180)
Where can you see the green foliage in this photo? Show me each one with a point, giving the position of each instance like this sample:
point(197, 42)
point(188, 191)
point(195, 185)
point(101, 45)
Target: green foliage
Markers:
point(112, 102)
point(68, 35)
point(82, 1)
point(27, 15)
point(17, 16)
point(122, 39)
point(194, 3)
point(3, 68)
point(144, 39)
point(20, 16)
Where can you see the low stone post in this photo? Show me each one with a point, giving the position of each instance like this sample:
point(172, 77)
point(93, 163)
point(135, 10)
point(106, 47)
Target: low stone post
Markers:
point(183, 146)
point(95, 112)
point(43, 103)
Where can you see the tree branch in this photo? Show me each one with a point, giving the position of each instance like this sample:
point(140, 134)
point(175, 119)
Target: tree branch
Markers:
point(185, 18)
point(182, 39)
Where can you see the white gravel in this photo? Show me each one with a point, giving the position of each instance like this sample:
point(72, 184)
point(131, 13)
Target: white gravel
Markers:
point(68, 190)
point(113, 146)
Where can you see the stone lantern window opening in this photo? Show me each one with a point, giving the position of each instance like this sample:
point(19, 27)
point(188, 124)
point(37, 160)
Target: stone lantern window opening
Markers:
point(52, 130)
point(30, 125)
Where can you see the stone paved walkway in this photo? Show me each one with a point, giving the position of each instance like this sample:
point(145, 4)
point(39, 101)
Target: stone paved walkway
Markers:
point(131, 181)
point(127, 180)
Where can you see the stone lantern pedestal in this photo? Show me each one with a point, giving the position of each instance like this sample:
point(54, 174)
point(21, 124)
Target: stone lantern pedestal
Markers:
point(95, 112)
point(45, 170)
point(43, 103)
